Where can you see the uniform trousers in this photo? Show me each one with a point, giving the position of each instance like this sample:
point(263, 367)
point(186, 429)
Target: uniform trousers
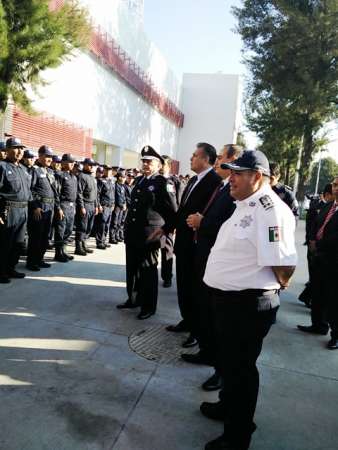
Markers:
point(142, 275)
point(64, 227)
point(324, 305)
point(240, 327)
point(84, 224)
point(185, 279)
point(167, 258)
point(38, 233)
point(103, 224)
point(116, 230)
point(12, 237)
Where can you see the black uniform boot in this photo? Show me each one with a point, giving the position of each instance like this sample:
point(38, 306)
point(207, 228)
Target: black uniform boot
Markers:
point(85, 248)
point(59, 256)
point(70, 257)
point(79, 250)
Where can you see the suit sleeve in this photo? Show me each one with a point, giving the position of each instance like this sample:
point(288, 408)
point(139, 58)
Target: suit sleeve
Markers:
point(80, 189)
point(165, 205)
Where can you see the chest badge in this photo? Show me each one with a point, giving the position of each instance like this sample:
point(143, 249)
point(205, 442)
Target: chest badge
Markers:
point(151, 188)
point(246, 221)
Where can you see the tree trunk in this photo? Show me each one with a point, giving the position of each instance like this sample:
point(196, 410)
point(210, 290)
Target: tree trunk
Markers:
point(304, 173)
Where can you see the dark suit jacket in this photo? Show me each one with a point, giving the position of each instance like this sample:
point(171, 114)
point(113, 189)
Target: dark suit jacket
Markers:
point(327, 247)
point(196, 202)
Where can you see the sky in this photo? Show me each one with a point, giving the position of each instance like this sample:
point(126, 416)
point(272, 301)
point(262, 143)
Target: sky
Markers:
point(195, 35)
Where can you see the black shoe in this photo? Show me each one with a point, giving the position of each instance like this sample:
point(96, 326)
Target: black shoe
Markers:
point(15, 274)
point(167, 284)
point(214, 411)
point(128, 304)
point(33, 267)
point(196, 358)
point(113, 241)
point(214, 383)
point(312, 329)
point(86, 249)
point(221, 443)
point(44, 265)
point(79, 250)
point(179, 328)
point(107, 245)
point(100, 247)
point(4, 280)
point(145, 315)
point(68, 256)
point(332, 344)
point(190, 342)
point(61, 258)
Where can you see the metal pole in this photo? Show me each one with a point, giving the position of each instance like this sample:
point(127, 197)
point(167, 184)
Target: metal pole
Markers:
point(318, 172)
point(299, 162)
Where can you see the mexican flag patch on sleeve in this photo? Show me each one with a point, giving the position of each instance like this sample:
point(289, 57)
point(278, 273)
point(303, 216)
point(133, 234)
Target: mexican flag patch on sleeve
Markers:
point(274, 234)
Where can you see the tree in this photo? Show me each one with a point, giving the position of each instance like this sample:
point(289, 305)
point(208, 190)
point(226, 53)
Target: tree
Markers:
point(328, 170)
point(32, 39)
point(291, 50)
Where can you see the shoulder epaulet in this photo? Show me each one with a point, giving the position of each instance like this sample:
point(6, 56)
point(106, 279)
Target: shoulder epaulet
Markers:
point(267, 202)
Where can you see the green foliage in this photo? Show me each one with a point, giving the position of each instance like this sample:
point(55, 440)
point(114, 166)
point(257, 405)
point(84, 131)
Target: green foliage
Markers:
point(33, 39)
point(328, 170)
point(291, 50)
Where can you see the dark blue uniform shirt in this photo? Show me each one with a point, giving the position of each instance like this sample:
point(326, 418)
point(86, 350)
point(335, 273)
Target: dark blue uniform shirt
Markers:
point(67, 186)
point(106, 191)
point(15, 183)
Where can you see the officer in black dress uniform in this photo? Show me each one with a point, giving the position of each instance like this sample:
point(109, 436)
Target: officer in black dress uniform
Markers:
point(41, 209)
point(116, 231)
point(87, 206)
point(65, 213)
point(167, 244)
point(106, 195)
point(283, 191)
point(150, 216)
point(14, 196)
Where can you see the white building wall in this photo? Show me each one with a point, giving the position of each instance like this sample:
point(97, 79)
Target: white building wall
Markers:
point(210, 103)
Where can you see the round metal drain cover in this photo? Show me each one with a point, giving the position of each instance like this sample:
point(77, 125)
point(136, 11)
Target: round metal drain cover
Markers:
point(157, 344)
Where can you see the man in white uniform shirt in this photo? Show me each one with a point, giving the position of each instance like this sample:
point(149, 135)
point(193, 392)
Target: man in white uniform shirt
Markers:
point(254, 256)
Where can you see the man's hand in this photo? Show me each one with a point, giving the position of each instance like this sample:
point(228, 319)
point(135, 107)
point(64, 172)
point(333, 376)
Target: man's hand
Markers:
point(37, 214)
point(312, 246)
point(124, 207)
point(157, 234)
point(83, 212)
point(61, 214)
point(100, 209)
point(96, 211)
point(283, 275)
point(194, 220)
point(2, 222)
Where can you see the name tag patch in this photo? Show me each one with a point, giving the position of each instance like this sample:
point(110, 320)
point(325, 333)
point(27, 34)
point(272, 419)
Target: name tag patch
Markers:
point(267, 202)
point(274, 234)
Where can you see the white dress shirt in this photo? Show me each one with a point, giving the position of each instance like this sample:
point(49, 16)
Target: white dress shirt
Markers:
point(260, 234)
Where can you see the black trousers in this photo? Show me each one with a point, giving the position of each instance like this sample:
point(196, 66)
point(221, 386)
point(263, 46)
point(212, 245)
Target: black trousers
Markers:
point(142, 275)
point(84, 224)
point(12, 237)
point(167, 258)
point(103, 224)
point(240, 327)
point(38, 233)
point(324, 305)
point(185, 279)
point(64, 227)
point(116, 227)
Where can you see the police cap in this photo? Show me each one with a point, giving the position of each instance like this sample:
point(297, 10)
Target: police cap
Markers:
point(57, 158)
point(250, 160)
point(150, 153)
point(68, 157)
point(44, 150)
point(29, 153)
point(89, 161)
point(14, 142)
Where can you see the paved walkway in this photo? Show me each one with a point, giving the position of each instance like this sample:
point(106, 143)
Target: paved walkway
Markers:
point(69, 381)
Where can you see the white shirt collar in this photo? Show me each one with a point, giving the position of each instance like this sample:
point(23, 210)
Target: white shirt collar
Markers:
point(264, 190)
point(203, 174)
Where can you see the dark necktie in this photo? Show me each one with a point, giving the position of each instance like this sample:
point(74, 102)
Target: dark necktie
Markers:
point(188, 189)
point(320, 232)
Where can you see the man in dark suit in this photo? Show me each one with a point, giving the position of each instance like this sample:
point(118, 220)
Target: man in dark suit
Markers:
point(194, 198)
point(323, 245)
point(150, 216)
point(207, 224)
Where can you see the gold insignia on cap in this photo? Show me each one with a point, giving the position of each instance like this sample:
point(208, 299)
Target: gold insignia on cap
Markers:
point(146, 149)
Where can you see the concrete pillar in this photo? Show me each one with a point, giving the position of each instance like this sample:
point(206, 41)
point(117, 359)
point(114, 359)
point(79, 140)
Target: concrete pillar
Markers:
point(117, 156)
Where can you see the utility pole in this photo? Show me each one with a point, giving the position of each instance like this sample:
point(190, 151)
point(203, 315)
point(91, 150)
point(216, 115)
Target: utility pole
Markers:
point(318, 172)
point(299, 162)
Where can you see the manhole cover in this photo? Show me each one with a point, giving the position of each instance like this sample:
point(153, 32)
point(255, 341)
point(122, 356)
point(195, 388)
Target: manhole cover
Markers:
point(157, 344)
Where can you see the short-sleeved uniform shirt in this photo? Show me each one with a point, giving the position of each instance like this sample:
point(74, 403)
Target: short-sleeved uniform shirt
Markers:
point(260, 234)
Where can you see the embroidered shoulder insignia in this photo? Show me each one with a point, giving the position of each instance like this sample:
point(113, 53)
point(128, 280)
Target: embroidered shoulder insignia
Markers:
point(267, 202)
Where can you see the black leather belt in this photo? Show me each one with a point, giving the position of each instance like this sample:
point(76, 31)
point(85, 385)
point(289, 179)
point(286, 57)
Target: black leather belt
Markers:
point(45, 199)
point(16, 204)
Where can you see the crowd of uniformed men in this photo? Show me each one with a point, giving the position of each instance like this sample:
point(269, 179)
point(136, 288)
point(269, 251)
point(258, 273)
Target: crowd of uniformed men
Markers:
point(231, 227)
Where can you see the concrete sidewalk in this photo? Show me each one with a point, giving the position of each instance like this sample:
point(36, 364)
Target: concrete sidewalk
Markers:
point(69, 380)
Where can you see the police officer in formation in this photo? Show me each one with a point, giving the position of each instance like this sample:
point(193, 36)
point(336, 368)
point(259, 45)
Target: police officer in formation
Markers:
point(283, 191)
point(28, 160)
point(41, 209)
point(87, 206)
point(15, 193)
point(65, 211)
point(106, 196)
point(2, 151)
point(116, 226)
point(151, 215)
